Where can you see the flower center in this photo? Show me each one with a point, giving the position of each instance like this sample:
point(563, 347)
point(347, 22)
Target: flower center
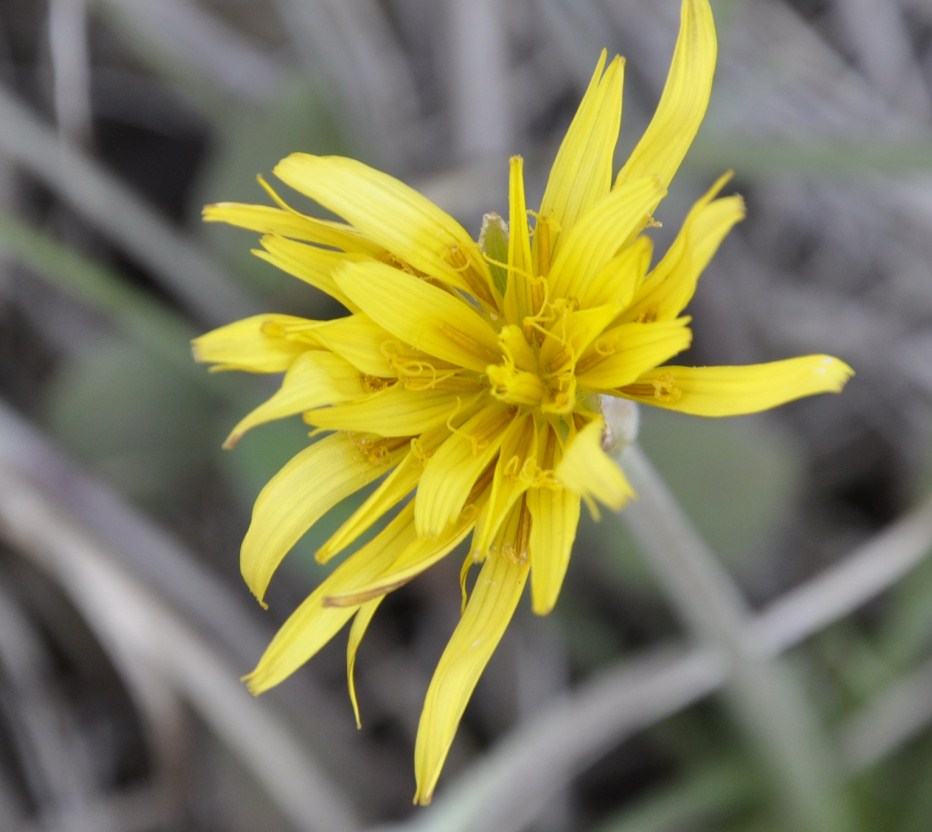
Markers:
point(532, 374)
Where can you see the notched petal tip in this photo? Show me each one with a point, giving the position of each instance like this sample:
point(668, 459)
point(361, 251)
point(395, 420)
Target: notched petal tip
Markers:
point(213, 211)
point(232, 440)
point(252, 684)
point(259, 596)
point(835, 371)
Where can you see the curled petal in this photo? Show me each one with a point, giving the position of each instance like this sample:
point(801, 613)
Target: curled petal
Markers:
point(733, 391)
point(586, 469)
point(391, 491)
point(316, 378)
point(286, 222)
point(420, 554)
point(360, 341)
point(313, 623)
point(665, 292)
point(513, 475)
point(617, 280)
point(254, 345)
point(393, 411)
point(393, 215)
point(451, 473)
point(361, 621)
point(609, 225)
point(310, 264)
point(488, 613)
point(582, 172)
point(554, 518)
point(312, 483)
point(626, 351)
point(422, 315)
point(683, 102)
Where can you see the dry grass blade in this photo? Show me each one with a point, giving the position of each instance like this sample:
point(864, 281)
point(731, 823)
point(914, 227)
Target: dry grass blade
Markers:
point(141, 629)
point(119, 214)
point(186, 33)
point(514, 782)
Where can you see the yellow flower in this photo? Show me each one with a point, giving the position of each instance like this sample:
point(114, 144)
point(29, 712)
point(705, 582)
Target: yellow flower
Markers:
point(467, 376)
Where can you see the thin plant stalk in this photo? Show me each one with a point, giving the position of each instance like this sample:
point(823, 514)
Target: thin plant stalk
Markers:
point(770, 706)
point(180, 265)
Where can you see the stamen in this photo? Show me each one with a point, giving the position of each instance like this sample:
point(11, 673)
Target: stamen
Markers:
point(468, 343)
point(393, 260)
point(543, 243)
point(479, 438)
point(516, 549)
point(373, 384)
point(378, 451)
point(471, 276)
point(662, 388)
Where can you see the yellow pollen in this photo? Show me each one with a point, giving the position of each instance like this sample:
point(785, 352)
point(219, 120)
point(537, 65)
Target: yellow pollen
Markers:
point(393, 260)
point(469, 512)
point(516, 549)
point(372, 384)
point(661, 388)
point(378, 451)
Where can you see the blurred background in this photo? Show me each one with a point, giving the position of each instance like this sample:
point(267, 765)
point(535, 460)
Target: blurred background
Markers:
point(124, 625)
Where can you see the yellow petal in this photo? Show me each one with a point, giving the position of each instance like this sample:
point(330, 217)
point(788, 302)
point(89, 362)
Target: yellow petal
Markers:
point(395, 216)
point(285, 222)
point(733, 391)
point(586, 469)
point(254, 345)
point(300, 494)
point(683, 102)
point(488, 613)
point(665, 292)
point(607, 226)
point(359, 340)
point(569, 337)
point(518, 300)
point(361, 623)
point(313, 624)
point(582, 171)
point(617, 280)
point(514, 474)
point(393, 411)
point(420, 554)
point(397, 485)
point(554, 517)
point(627, 351)
point(310, 264)
point(424, 316)
point(452, 471)
point(316, 378)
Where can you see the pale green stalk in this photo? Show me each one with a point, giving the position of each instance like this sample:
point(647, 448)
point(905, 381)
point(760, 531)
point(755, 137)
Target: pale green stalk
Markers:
point(770, 706)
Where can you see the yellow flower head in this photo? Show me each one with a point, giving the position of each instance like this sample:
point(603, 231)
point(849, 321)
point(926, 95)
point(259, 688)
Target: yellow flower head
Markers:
point(467, 376)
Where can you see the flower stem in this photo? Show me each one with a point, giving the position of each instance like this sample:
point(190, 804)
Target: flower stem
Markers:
point(769, 704)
